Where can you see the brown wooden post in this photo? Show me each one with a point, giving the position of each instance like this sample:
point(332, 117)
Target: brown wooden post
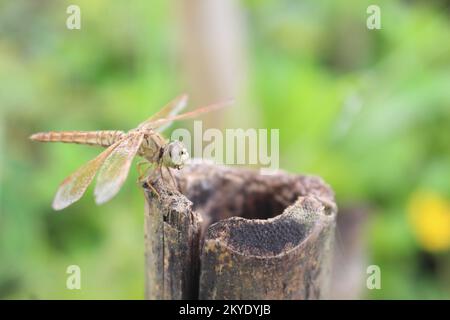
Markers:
point(172, 235)
point(266, 236)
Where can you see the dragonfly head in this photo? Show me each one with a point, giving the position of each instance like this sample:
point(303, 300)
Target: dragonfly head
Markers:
point(175, 155)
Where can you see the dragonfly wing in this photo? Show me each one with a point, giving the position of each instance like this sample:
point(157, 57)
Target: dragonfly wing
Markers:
point(172, 108)
point(74, 186)
point(115, 169)
point(164, 122)
point(163, 126)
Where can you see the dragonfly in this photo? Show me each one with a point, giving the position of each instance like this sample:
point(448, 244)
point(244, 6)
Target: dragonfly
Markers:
point(113, 164)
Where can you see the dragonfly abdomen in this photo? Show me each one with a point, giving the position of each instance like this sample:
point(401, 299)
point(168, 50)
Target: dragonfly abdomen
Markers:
point(102, 138)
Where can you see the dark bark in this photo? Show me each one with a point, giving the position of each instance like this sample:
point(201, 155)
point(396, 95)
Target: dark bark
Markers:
point(266, 237)
point(172, 233)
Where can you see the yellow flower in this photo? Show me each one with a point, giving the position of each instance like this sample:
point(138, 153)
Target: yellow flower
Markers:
point(429, 215)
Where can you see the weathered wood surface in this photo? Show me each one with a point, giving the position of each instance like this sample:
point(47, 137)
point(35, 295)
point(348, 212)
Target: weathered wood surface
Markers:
point(265, 237)
point(172, 235)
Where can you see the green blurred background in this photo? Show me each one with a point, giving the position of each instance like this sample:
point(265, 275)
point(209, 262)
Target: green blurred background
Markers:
point(368, 110)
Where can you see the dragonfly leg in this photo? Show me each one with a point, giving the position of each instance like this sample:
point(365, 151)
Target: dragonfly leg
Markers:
point(144, 177)
point(149, 184)
point(142, 172)
point(153, 189)
point(161, 171)
point(173, 179)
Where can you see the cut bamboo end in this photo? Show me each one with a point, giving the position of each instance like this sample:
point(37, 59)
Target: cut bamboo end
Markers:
point(235, 234)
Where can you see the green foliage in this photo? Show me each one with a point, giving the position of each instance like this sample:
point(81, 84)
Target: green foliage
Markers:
point(368, 110)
